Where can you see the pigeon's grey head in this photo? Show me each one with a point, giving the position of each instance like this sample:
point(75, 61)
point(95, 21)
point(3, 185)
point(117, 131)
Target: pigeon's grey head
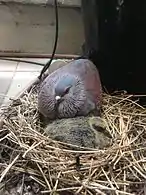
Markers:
point(61, 96)
point(64, 86)
point(69, 95)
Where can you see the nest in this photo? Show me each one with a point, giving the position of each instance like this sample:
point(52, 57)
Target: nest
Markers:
point(33, 163)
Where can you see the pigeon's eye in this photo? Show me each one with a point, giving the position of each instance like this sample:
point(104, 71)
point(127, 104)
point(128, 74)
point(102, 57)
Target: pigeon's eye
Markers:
point(66, 90)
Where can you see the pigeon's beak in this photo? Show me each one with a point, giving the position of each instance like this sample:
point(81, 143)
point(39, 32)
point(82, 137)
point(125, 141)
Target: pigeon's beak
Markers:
point(58, 99)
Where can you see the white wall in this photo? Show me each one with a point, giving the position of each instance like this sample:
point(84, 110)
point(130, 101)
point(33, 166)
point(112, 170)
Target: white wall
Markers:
point(31, 28)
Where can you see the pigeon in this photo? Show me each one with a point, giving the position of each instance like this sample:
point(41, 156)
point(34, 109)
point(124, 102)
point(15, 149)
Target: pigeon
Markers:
point(72, 90)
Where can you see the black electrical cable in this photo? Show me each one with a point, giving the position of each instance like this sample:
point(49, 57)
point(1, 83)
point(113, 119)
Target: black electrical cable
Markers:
point(55, 44)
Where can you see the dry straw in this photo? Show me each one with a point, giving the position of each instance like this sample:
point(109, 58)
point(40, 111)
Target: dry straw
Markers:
point(27, 153)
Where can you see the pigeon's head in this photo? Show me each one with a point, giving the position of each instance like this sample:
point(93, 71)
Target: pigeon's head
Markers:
point(69, 95)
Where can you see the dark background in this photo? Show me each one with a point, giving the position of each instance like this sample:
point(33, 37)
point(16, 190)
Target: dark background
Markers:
point(117, 31)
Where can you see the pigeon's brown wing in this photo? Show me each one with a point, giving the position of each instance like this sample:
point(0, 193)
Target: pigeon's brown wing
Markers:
point(89, 75)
